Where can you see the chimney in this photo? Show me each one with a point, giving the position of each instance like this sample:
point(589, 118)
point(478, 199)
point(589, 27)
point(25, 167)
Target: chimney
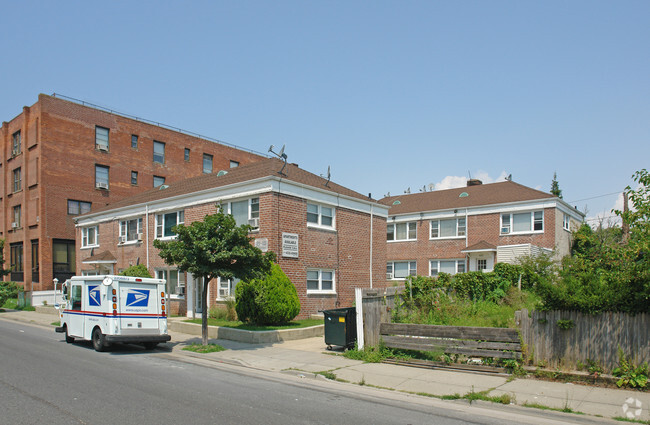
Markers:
point(474, 182)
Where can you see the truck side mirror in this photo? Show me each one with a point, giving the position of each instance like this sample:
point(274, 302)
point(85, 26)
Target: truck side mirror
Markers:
point(64, 291)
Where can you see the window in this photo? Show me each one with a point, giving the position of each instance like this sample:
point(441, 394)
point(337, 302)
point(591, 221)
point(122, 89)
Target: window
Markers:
point(158, 152)
point(15, 143)
point(17, 262)
point(75, 297)
point(35, 261)
point(175, 280)
point(63, 259)
point(451, 228)
point(134, 178)
point(227, 288)
point(158, 181)
point(78, 207)
point(481, 264)
point(17, 180)
point(101, 177)
point(400, 269)
point(17, 215)
point(130, 230)
point(320, 215)
point(246, 210)
point(320, 281)
point(89, 237)
point(165, 222)
point(101, 138)
point(446, 266)
point(401, 231)
point(234, 164)
point(522, 222)
point(207, 163)
point(134, 141)
point(566, 222)
point(187, 154)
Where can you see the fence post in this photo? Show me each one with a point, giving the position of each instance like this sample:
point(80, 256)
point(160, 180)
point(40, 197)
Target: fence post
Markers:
point(358, 297)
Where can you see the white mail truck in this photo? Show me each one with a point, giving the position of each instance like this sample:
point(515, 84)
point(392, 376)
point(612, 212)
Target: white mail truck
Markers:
point(114, 309)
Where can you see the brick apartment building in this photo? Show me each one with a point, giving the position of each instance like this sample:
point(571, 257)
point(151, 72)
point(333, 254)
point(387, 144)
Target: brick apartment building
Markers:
point(472, 228)
point(61, 159)
point(328, 239)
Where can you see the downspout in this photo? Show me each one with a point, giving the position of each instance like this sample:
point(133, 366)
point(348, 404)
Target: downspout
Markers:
point(371, 242)
point(146, 220)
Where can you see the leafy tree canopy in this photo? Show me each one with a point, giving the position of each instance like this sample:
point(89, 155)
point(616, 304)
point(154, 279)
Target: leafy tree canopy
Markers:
point(139, 270)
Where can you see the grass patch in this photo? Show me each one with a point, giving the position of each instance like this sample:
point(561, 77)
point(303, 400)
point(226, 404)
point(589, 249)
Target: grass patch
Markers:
point(565, 409)
point(199, 348)
point(484, 396)
point(296, 324)
point(635, 421)
point(57, 323)
point(327, 374)
point(12, 304)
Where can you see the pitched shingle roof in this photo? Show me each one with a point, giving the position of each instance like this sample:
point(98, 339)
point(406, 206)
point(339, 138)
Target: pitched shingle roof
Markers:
point(479, 195)
point(264, 168)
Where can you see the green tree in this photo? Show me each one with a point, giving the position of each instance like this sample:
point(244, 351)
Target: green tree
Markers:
point(139, 270)
point(214, 247)
point(3, 272)
point(555, 187)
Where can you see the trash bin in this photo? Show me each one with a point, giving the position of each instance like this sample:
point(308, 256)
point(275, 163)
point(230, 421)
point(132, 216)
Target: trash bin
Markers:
point(340, 327)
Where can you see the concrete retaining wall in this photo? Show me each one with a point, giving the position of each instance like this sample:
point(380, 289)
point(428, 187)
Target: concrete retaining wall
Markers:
point(251, 337)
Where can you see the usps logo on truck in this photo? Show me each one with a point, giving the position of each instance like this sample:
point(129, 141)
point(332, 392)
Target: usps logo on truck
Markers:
point(137, 298)
point(94, 297)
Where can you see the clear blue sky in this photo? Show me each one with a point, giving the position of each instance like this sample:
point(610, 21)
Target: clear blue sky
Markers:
point(390, 94)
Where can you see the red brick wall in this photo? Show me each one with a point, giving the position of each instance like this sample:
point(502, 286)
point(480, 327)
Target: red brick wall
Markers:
point(346, 250)
point(485, 227)
point(58, 141)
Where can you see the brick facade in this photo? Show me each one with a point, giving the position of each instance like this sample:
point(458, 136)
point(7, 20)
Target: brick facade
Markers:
point(57, 159)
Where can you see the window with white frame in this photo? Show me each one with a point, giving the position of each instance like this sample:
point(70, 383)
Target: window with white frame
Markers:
point(130, 230)
point(446, 266)
point(165, 222)
point(320, 215)
point(175, 281)
point(320, 281)
point(400, 269)
point(528, 222)
point(101, 138)
point(566, 222)
point(245, 211)
point(89, 237)
point(450, 228)
point(401, 231)
point(158, 152)
point(227, 288)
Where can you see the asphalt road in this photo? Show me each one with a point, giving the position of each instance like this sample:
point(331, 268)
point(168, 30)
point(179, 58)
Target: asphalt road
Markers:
point(45, 380)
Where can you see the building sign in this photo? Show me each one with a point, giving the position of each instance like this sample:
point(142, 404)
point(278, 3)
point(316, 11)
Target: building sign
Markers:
point(262, 244)
point(290, 245)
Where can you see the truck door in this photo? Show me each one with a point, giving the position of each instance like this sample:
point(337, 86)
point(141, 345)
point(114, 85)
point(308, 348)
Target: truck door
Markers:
point(75, 315)
point(139, 307)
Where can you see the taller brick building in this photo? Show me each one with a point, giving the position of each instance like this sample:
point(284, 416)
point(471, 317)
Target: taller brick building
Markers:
point(60, 159)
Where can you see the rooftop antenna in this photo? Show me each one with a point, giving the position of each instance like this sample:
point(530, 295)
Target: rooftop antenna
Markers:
point(408, 191)
point(329, 176)
point(509, 178)
point(431, 187)
point(424, 188)
point(282, 156)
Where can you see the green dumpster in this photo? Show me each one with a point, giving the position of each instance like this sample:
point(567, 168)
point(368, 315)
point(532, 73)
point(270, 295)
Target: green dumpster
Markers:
point(340, 327)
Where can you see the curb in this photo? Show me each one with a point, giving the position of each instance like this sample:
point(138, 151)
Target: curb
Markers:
point(249, 337)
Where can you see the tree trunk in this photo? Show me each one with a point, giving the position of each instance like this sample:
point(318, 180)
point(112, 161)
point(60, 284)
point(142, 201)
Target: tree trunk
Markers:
point(204, 311)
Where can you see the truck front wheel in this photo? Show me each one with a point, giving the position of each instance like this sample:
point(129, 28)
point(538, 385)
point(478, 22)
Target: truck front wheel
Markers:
point(68, 338)
point(99, 341)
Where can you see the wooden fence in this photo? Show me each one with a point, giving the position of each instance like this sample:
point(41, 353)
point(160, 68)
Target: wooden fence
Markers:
point(594, 337)
point(376, 307)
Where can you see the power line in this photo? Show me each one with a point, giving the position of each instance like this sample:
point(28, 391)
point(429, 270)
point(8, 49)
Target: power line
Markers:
point(596, 197)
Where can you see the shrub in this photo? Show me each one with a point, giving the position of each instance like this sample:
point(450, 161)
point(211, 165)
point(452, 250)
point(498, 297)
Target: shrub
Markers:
point(272, 300)
point(136, 271)
point(8, 290)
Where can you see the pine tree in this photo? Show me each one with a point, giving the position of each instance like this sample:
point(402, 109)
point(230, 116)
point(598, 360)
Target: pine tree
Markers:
point(555, 187)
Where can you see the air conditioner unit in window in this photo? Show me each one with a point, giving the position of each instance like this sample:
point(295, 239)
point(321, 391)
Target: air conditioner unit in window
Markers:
point(122, 239)
point(103, 148)
point(140, 235)
point(101, 185)
point(14, 225)
point(255, 222)
point(389, 276)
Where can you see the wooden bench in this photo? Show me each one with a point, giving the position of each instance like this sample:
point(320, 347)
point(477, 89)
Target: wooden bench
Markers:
point(470, 341)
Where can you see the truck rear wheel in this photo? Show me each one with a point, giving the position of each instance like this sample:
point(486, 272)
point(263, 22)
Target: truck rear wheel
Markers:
point(68, 338)
point(99, 341)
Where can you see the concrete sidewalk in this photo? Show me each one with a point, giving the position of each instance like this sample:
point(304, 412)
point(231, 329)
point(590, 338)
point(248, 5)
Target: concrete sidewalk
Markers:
point(309, 356)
